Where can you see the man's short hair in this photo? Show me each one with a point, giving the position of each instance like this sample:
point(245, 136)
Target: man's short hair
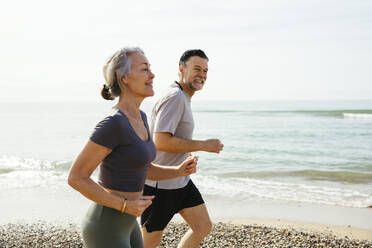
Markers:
point(190, 53)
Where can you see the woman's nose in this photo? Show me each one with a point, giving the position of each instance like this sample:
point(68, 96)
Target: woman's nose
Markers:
point(152, 75)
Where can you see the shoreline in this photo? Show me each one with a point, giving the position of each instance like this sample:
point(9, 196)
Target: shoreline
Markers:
point(57, 211)
point(338, 231)
point(65, 204)
point(253, 233)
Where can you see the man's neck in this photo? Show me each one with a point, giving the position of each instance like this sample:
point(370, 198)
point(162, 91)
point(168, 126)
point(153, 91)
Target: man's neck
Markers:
point(186, 88)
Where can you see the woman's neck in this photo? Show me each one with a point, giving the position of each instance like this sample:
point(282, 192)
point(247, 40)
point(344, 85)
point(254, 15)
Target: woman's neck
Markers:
point(130, 105)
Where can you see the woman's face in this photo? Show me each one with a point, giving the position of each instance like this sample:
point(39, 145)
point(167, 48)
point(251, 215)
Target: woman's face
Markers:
point(140, 79)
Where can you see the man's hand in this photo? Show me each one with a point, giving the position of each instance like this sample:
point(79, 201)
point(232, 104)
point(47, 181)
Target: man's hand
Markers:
point(188, 166)
point(212, 145)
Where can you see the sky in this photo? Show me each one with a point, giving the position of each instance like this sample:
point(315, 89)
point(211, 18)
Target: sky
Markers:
point(262, 49)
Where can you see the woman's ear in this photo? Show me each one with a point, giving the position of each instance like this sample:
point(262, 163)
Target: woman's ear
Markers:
point(122, 82)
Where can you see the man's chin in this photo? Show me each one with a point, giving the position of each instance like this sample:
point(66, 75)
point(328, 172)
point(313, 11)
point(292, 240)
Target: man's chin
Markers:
point(197, 87)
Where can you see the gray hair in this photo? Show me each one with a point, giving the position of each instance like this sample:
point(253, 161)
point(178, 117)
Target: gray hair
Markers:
point(115, 68)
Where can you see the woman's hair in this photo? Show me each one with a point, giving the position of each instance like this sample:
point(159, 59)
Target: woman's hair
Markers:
point(115, 68)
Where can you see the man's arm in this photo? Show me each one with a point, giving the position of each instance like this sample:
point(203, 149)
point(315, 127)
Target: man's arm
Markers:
point(159, 172)
point(169, 143)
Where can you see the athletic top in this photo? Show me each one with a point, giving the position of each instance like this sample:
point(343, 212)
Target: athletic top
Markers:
point(172, 114)
point(125, 168)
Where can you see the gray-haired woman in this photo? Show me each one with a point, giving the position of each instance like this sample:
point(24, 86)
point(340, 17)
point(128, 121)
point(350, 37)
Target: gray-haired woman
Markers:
point(121, 145)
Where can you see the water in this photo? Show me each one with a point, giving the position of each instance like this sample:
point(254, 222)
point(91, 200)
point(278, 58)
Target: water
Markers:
point(297, 151)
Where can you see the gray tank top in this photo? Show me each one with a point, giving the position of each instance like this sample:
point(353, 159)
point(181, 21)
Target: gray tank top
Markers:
point(125, 168)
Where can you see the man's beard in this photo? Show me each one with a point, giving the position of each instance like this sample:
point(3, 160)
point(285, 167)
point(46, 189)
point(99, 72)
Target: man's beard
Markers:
point(189, 84)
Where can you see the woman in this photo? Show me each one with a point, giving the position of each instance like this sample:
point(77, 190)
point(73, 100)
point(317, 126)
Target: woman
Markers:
point(122, 146)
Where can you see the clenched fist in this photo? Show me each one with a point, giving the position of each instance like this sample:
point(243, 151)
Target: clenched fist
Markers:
point(213, 145)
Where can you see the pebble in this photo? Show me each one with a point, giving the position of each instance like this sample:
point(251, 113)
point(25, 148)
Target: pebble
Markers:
point(42, 234)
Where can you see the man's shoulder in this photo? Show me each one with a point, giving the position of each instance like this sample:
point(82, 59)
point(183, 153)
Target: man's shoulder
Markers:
point(173, 94)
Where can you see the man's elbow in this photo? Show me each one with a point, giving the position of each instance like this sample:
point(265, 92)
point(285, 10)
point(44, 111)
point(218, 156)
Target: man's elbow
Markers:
point(161, 147)
point(162, 143)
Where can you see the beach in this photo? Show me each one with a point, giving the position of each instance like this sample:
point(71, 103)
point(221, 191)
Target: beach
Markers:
point(42, 234)
point(292, 174)
point(24, 222)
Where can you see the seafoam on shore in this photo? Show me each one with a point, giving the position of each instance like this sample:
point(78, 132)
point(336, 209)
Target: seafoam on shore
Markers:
point(43, 234)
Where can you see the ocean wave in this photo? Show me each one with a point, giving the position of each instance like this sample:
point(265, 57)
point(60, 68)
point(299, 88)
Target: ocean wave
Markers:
point(357, 116)
point(334, 113)
point(246, 188)
point(5, 170)
point(342, 113)
point(12, 163)
point(349, 177)
point(217, 111)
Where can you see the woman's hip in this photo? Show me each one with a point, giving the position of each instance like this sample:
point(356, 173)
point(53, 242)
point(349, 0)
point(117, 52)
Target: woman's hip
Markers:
point(104, 225)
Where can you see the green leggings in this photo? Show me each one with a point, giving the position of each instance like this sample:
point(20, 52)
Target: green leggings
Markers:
point(105, 227)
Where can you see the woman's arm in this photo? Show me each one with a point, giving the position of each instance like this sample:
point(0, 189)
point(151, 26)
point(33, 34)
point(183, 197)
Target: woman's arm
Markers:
point(158, 172)
point(79, 178)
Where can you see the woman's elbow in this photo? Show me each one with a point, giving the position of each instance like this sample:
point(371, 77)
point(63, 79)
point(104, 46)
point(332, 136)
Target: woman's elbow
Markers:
point(73, 181)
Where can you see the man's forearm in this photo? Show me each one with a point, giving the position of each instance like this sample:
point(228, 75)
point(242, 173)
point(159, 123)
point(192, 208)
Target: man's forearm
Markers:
point(178, 145)
point(157, 172)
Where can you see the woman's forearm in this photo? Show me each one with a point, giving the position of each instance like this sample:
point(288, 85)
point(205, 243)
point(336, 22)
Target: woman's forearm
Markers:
point(95, 192)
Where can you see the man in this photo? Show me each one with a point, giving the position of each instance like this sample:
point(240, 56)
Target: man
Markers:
point(172, 126)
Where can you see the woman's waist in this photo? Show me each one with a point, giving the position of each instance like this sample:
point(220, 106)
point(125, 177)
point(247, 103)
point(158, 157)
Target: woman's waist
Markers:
point(122, 182)
point(124, 194)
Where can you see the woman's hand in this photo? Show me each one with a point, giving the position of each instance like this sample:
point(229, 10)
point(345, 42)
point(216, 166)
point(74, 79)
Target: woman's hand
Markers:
point(137, 206)
point(188, 166)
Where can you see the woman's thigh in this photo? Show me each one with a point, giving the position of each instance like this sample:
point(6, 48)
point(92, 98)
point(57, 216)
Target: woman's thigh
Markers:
point(136, 240)
point(106, 227)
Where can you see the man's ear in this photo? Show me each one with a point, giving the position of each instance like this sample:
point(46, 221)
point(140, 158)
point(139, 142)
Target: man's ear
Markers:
point(180, 68)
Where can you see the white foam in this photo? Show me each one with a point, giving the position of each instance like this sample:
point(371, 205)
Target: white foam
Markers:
point(357, 116)
point(246, 188)
point(16, 163)
point(31, 173)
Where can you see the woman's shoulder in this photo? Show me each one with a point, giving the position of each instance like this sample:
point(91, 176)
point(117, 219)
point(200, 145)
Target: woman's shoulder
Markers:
point(108, 132)
point(114, 119)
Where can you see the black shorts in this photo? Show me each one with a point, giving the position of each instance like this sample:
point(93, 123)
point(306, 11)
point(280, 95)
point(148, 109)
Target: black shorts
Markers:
point(167, 203)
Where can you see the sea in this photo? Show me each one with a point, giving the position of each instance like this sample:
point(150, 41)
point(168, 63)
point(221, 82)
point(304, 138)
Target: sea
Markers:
point(293, 151)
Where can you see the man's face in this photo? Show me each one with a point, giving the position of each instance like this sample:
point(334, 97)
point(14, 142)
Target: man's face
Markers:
point(195, 72)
